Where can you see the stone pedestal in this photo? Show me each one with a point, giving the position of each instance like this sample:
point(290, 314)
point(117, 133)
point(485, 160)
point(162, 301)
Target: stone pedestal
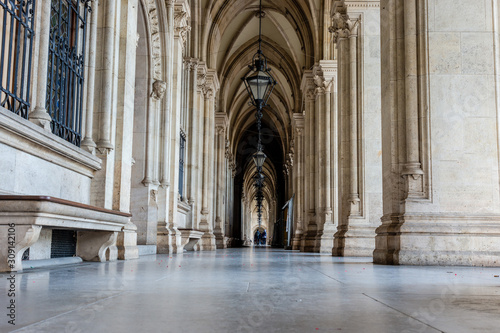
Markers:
point(127, 243)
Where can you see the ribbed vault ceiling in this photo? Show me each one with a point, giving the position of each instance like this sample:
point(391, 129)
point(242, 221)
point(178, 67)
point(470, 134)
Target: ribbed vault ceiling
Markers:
point(230, 39)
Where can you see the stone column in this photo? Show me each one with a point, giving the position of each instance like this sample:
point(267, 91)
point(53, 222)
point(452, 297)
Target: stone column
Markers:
point(310, 229)
point(193, 164)
point(200, 141)
point(298, 125)
point(244, 217)
point(220, 166)
point(231, 173)
point(104, 144)
point(206, 223)
point(39, 114)
point(103, 182)
point(359, 105)
point(340, 34)
point(88, 142)
point(412, 169)
point(325, 76)
point(167, 112)
point(319, 165)
point(354, 199)
point(169, 240)
point(127, 239)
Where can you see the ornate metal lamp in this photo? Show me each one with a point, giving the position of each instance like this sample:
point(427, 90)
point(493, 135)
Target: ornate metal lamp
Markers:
point(259, 84)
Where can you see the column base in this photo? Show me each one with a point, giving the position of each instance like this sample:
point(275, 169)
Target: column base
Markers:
point(40, 117)
point(308, 244)
point(325, 239)
point(208, 242)
point(354, 241)
point(296, 241)
point(308, 241)
point(438, 239)
point(220, 240)
point(127, 243)
point(168, 240)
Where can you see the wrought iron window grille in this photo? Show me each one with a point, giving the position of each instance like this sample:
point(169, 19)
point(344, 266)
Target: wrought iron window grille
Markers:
point(16, 51)
point(65, 82)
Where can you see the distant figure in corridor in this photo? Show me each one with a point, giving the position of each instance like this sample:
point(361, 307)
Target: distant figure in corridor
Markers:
point(257, 238)
point(264, 236)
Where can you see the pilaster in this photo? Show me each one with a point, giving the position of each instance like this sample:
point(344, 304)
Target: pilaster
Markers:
point(221, 123)
point(208, 215)
point(298, 180)
point(308, 239)
point(359, 108)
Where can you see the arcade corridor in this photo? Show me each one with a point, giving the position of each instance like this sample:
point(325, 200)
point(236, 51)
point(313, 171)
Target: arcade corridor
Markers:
point(256, 290)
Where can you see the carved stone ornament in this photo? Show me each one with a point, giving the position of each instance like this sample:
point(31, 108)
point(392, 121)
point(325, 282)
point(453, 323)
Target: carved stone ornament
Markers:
point(341, 27)
point(310, 94)
point(154, 28)
point(201, 81)
point(191, 63)
point(220, 129)
point(159, 88)
point(182, 26)
point(328, 85)
point(209, 93)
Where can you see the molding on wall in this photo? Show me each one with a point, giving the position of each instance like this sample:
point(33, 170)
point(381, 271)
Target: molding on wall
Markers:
point(29, 138)
point(362, 4)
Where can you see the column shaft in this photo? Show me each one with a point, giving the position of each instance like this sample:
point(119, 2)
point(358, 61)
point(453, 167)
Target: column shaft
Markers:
point(39, 114)
point(353, 96)
point(88, 142)
point(107, 72)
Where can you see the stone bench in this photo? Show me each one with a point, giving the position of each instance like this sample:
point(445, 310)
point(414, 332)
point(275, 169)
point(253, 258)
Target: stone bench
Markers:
point(190, 239)
point(23, 217)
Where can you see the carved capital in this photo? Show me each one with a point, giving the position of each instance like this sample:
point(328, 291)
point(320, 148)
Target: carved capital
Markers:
point(319, 91)
point(191, 63)
point(310, 94)
point(208, 92)
point(328, 85)
point(200, 81)
point(220, 129)
point(343, 27)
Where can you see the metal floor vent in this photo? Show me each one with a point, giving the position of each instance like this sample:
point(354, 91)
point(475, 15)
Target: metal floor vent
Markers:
point(63, 243)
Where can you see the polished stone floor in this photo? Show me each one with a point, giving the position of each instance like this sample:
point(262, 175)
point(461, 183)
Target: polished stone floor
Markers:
point(253, 290)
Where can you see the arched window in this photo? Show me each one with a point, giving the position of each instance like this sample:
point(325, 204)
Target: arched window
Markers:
point(68, 26)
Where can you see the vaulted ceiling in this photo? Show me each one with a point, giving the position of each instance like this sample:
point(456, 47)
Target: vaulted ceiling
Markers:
point(229, 39)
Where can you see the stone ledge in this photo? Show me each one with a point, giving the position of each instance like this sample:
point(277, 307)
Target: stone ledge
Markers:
point(32, 264)
point(27, 137)
point(60, 215)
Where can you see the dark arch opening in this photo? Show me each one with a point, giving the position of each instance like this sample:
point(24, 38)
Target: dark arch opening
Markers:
point(246, 148)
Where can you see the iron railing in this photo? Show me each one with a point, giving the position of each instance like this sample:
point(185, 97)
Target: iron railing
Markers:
point(16, 46)
point(182, 153)
point(68, 27)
